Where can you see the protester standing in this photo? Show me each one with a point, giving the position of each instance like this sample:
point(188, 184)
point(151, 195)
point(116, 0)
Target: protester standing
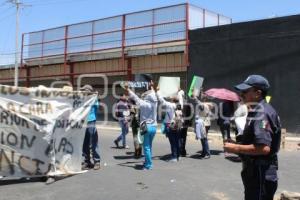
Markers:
point(260, 141)
point(202, 125)
point(90, 143)
point(172, 128)
point(148, 116)
point(226, 110)
point(123, 115)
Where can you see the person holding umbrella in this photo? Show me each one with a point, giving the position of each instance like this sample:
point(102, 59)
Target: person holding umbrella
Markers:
point(226, 108)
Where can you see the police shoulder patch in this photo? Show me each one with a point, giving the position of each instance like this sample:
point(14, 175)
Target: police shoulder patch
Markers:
point(264, 124)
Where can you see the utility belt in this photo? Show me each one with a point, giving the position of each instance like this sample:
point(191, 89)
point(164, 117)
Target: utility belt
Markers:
point(252, 162)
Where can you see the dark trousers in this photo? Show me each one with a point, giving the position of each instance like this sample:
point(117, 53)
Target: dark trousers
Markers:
point(255, 183)
point(182, 141)
point(137, 145)
point(90, 143)
point(225, 130)
point(173, 136)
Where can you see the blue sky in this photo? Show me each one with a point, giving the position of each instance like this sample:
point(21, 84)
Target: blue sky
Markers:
point(42, 14)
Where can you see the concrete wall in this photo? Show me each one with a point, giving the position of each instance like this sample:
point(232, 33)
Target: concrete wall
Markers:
point(226, 55)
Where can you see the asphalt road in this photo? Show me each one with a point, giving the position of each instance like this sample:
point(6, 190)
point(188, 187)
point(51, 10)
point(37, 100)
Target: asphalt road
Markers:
point(120, 177)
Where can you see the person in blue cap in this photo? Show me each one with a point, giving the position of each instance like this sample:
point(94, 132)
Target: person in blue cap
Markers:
point(260, 141)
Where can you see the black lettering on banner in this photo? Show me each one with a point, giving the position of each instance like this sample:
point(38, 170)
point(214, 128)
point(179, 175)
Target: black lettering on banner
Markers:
point(12, 119)
point(79, 125)
point(77, 103)
point(2, 137)
point(23, 160)
point(38, 162)
point(55, 93)
point(68, 123)
point(39, 108)
point(65, 146)
point(12, 139)
point(45, 93)
point(60, 124)
point(10, 161)
point(3, 117)
point(24, 139)
point(77, 96)
point(8, 158)
point(12, 90)
point(49, 148)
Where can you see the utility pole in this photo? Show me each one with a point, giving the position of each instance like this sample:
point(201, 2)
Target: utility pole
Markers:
point(17, 4)
point(17, 44)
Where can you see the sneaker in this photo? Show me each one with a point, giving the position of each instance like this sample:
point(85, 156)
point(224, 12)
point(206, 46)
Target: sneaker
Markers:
point(86, 166)
point(173, 160)
point(202, 155)
point(116, 143)
point(97, 166)
point(125, 147)
point(206, 157)
point(50, 180)
point(145, 168)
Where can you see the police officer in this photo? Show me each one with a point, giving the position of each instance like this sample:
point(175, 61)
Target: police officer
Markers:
point(260, 142)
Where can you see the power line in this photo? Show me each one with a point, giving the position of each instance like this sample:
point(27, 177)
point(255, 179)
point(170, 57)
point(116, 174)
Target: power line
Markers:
point(54, 2)
point(3, 18)
point(7, 9)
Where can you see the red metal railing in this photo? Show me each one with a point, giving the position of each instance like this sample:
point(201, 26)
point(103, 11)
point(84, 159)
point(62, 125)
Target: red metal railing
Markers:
point(165, 25)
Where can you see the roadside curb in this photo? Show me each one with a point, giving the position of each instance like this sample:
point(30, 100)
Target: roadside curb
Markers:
point(211, 134)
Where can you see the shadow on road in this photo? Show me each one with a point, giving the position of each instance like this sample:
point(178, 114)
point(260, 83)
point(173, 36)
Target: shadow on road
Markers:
point(233, 158)
point(166, 157)
point(213, 152)
point(124, 157)
point(31, 180)
point(22, 180)
point(133, 165)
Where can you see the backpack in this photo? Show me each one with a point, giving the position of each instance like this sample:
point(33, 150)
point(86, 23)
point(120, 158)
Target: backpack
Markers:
point(177, 122)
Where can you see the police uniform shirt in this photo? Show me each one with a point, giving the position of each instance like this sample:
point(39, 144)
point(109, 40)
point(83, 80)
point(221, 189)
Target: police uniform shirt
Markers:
point(259, 131)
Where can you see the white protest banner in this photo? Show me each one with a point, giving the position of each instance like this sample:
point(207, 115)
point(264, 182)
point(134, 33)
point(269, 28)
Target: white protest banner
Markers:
point(42, 130)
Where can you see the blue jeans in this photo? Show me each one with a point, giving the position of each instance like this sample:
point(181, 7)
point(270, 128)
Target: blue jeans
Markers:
point(91, 140)
point(148, 138)
point(205, 147)
point(124, 130)
point(173, 136)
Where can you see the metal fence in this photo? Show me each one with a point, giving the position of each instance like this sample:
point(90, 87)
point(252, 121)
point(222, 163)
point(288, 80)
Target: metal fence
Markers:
point(161, 25)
